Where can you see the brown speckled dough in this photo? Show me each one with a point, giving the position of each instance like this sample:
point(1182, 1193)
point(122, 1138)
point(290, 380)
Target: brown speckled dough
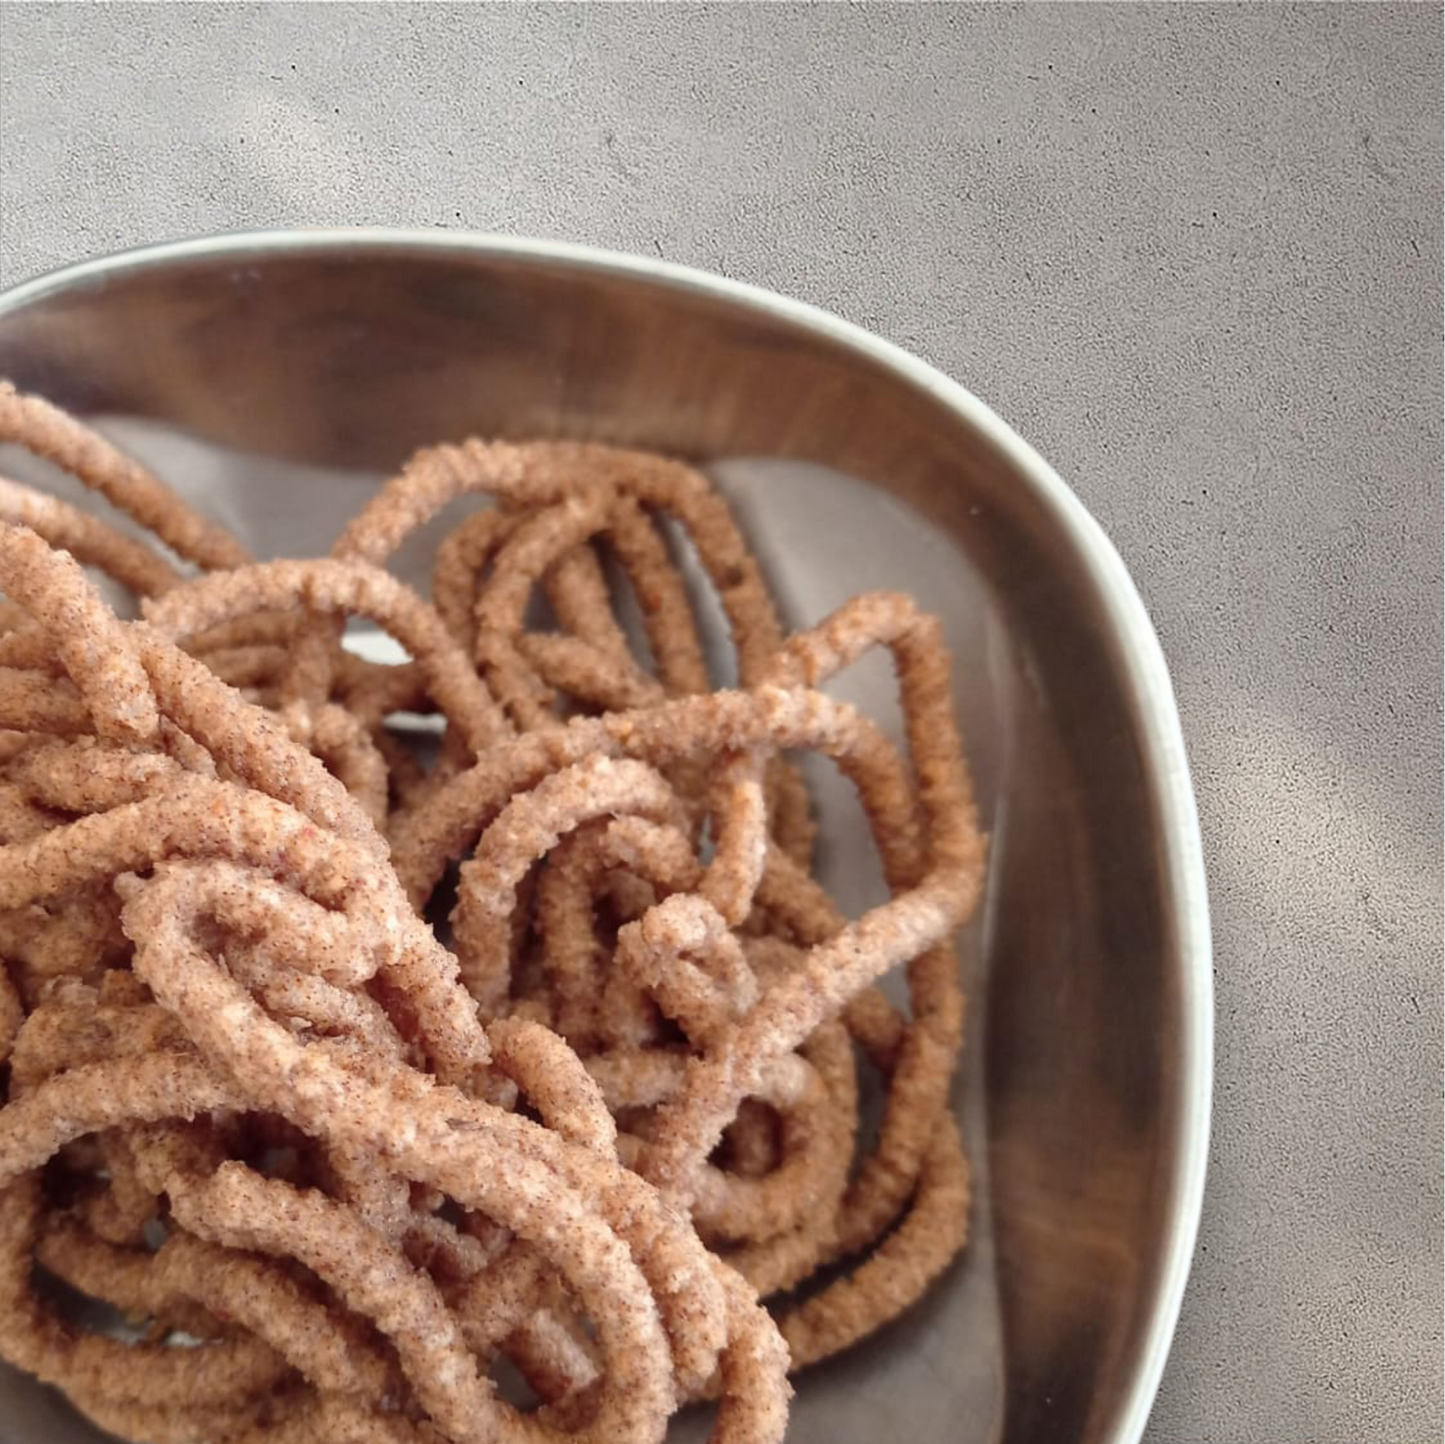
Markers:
point(335, 1171)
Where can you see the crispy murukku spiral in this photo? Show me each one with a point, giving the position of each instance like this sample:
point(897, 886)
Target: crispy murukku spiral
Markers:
point(351, 1069)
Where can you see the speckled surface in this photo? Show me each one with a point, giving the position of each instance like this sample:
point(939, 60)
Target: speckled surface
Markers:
point(1194, 255)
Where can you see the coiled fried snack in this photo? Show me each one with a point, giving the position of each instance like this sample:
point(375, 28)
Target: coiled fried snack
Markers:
point(353, 1073)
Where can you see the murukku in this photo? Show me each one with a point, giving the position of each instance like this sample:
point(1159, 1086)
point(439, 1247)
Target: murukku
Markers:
point(47, 432)
point(372, 1032)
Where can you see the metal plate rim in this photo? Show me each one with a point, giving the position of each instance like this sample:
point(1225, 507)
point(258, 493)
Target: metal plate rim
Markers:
point(1152, 693)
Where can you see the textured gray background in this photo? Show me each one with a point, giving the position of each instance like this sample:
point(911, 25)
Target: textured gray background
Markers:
point(1194, 255)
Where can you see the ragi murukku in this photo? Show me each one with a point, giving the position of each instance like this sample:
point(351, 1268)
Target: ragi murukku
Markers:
point(251, 1095)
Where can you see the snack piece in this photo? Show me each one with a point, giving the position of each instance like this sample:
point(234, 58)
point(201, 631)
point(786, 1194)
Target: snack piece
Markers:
point(336, 1169)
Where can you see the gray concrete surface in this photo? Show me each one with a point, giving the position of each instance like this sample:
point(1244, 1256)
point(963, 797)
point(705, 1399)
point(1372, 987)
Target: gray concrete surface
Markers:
point(1194, 254)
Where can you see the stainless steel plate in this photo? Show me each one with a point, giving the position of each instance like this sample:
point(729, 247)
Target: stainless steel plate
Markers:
point(276, 377)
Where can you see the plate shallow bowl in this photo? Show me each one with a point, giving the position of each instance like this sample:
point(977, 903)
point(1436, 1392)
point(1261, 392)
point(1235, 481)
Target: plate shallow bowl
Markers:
point(275, 376)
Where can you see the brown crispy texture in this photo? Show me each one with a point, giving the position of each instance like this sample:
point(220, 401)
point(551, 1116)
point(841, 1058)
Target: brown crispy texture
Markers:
point(251, 1095)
